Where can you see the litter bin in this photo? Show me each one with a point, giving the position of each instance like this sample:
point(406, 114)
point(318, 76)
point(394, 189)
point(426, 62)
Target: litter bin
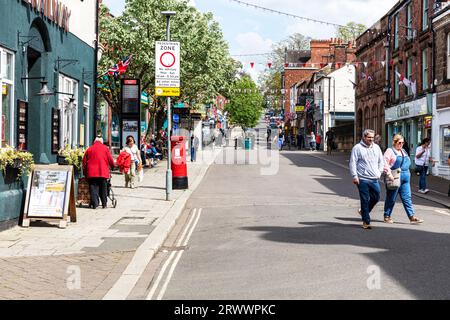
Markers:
point(178, 165)
point(248, 143)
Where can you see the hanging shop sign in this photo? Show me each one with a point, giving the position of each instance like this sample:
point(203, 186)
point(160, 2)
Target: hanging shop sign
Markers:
point(428, 121)
point(4, 89)
point(167, 69)
point(53, 10)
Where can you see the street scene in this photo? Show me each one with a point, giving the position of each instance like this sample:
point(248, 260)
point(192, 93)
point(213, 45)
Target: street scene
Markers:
point(224, 151)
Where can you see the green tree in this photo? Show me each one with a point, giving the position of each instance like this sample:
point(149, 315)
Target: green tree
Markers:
point(351, 31)
point(246, 103)
point(206, 66)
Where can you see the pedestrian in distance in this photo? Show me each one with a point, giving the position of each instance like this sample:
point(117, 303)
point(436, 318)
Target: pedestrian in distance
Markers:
point(366, 166)
point(97, 161)
point(280, 139)
point(299, 140)
point(312, 142)
point(269, 134)
point(406, 148)
point(318, 141)
point(329, 138)
point(422, 160)
point(136, 160)
point(194, 147)
point(396, 158)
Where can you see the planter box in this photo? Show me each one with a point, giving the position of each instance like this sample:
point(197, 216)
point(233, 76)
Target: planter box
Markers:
point(61, 160)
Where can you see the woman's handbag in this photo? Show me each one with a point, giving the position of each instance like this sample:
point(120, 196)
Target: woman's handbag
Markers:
point(395, 184)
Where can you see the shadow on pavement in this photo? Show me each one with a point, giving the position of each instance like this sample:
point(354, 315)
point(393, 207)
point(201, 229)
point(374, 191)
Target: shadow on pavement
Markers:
point(418, 260)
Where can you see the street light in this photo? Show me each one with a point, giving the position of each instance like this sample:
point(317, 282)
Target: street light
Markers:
point(45, 91)
point(168, 14)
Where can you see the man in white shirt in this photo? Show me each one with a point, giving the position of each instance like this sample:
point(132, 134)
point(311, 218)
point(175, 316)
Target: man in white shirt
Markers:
point(422, 159)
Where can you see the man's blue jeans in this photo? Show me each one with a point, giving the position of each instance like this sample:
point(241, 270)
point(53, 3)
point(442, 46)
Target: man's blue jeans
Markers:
point(405, 194)
point(193, 154)
point(369, 194)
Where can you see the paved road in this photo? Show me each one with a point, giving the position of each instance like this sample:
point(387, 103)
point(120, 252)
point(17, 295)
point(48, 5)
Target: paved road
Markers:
point(296, 235)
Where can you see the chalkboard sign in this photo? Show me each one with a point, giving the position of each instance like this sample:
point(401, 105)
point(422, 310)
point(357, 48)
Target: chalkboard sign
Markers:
point(22, 127)
point(56, 125)
point(50, 195)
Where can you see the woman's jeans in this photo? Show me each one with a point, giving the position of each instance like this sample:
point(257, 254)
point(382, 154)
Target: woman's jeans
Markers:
point(405, 194)
point(369, 194)
point(193, 154)
point(423, 177)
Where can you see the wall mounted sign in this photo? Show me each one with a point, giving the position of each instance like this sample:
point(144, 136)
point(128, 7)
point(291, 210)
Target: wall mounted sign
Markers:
point(53, 10)
point(56, 125)
point(22, 127)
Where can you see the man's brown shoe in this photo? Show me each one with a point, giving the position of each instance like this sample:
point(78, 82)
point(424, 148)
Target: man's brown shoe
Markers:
point(366, 226)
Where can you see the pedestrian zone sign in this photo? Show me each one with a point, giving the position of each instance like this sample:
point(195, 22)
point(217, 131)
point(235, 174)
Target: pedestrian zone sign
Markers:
point(167, 69)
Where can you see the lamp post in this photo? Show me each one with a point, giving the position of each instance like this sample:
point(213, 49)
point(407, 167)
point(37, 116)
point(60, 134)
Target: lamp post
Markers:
point(168, 14)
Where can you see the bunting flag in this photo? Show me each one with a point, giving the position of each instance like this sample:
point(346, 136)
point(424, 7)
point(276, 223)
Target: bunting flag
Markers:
point(252, 64)
point(269, 65)
point(403, 80)
point(366, 76)
point(365, 64)
point(383, 63)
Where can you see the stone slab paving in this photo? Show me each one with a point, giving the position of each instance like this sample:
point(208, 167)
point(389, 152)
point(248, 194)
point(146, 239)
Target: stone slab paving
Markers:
point(84, 260)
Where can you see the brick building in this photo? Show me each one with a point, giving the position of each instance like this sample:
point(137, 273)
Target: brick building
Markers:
point(409, 109)
point(441, 110)
point(370, 96)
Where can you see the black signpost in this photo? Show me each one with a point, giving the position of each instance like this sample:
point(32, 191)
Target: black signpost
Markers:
point(131, 106)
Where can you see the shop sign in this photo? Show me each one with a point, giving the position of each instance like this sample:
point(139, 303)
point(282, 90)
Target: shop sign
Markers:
point(4, 89)
point(54, 10)
point(299, 108)
point(428, 121)
point(406, 110)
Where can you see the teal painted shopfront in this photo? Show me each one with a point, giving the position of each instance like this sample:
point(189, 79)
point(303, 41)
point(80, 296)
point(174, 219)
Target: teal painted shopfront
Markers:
point(38, 48)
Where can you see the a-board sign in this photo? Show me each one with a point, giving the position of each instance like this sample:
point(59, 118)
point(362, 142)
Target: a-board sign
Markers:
point(50, 195)
point(167, 68)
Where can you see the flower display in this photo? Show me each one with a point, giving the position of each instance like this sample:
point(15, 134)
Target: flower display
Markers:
point(11, 157)
point(73, 156)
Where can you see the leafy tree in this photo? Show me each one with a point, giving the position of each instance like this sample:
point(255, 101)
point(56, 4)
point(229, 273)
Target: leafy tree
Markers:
point(206, 66)
point(351, 31)
point(246, 102)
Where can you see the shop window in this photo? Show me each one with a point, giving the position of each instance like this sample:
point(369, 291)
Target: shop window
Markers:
point(86, 106)
point(445, 144)
point(69, 111)
point(6, 97)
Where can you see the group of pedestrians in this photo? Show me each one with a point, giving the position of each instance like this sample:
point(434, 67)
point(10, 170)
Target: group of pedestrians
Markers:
point(368, 164)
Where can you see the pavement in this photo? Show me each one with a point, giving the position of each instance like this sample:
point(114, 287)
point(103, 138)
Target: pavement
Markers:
point(102, 255)
point(438, 186)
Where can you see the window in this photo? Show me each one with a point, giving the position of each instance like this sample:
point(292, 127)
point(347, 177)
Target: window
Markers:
point(424, 14)
point(396, 84)
point(6, 97)
point(374, 124)
point(69, 112)
point(445, 144)
point(396, 32)
point(409, 18)
point(409, 66)
point(424, 69)
point(86, 104)
point(367, 118)
point(448, 56)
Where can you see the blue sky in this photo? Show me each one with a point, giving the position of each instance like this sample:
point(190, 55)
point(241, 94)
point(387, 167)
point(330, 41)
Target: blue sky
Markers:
point(249, 30)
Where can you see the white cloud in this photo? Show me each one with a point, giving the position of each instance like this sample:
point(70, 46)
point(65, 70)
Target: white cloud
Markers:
point(192, 3)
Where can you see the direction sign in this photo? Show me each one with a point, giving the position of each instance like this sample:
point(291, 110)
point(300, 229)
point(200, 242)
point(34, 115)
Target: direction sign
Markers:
point(167, 69)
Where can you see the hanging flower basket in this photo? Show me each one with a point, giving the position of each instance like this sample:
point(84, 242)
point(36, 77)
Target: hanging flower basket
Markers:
point(15, 162)
point(69, 156)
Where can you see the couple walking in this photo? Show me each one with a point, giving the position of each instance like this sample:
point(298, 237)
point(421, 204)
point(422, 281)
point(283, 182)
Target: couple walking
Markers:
point(367, 164)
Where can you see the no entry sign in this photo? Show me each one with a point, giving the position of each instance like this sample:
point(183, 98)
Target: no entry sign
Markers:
point(167, 69)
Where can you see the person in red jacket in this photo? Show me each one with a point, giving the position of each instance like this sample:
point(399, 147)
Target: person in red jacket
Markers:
point(97, 161)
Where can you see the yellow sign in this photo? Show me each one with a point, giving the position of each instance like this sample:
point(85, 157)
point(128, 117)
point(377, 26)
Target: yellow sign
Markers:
point(4, 89)
point(167, 92)
point(299, 108)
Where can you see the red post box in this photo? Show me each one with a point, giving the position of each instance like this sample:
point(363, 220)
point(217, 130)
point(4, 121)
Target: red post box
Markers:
point(178, 165)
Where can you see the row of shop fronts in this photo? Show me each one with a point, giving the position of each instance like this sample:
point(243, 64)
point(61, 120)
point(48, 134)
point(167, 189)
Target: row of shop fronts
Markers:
point(47, 64)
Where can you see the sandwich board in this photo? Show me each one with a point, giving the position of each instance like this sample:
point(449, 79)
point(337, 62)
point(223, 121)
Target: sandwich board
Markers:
point(50, 195)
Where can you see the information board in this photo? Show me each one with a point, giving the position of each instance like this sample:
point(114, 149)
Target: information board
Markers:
point(22, 127)
point(50, 194)
point(131, 96)
point(56, 124)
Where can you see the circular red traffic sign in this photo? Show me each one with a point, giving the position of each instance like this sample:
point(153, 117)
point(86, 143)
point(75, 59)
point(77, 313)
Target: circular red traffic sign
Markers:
point(169, 59)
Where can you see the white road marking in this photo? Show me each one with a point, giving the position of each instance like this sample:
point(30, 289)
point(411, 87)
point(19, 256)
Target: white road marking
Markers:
point(444, 212)
point(174, 257)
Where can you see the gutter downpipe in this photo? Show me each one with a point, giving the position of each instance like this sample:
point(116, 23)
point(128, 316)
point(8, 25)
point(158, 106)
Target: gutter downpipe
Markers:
point(97, 8)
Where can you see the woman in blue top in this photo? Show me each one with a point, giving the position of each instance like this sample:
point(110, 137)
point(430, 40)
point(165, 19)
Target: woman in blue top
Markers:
point(397, 158)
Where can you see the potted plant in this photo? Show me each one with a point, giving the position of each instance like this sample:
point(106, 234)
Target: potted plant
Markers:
point(71, 156)
point(17, 160)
